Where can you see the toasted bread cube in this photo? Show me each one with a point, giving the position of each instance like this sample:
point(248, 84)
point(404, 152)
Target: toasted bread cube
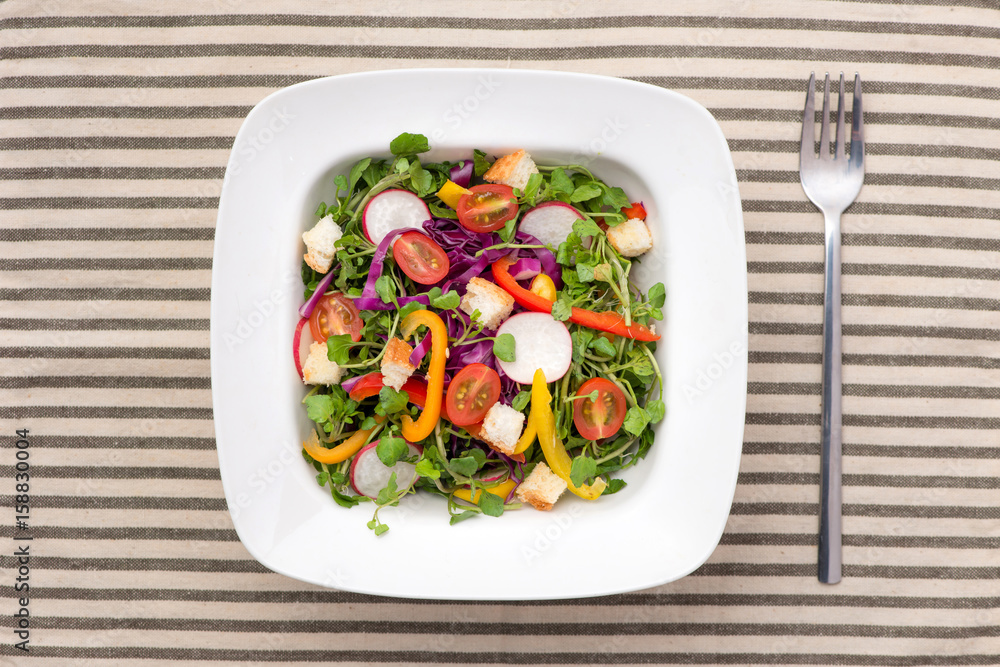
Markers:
point(631, 238)
point(493, 303)
point(318, 368)
point(542, 488)
point(502, 428)
point(396, 366)
point(320, 242)
point(513, 170)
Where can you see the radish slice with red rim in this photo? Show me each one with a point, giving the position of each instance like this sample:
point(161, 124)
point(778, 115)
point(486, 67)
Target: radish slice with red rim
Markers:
point(540, 341)
point(301, 342)
point(393, 209)
point(369, 475)
point(550, 222)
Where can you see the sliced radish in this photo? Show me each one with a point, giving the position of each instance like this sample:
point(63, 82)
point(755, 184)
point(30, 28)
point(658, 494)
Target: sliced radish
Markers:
point(540, 341)
point(369, 475)
point(393, 209)
point(301, 342)
point(550, 222)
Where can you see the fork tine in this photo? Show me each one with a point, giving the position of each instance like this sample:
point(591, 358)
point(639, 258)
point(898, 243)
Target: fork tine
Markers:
point(839, 154)
point(824, 130)
point(857, 127)
point(808, 149)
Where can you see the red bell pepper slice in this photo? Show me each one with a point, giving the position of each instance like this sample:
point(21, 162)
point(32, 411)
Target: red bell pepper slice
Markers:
point(371, 384)
point(607, 321)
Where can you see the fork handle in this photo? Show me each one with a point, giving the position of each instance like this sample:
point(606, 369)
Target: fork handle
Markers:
point(830, 466)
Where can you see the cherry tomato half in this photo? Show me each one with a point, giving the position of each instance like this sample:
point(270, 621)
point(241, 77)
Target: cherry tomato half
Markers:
point(487, 207)
point(421, 258)
point(601, 418)
point(471, 394)
point(335, 314)
point(637, 210)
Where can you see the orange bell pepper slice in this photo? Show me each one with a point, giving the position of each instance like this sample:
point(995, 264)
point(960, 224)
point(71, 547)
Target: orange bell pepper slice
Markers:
point(415, 431)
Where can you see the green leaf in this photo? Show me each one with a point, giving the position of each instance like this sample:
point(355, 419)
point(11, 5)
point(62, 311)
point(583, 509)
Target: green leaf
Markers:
point(521, 401)
point(656, 410)
point(585, 193)
point(614, 486)
point(356, 171)
point(319, 407)
point(581, 339)
point(479, 455)
point(509, 228)
point(402, 164)
point(421, 179)
point(560, 182)
point(321, 210)
point(323, 478)
point(642, 367)
point(426, 468)
point(583, 468)
point(341, 182)
point(585, 227)
point(635, 420)
point(411, 307)
point(390, 493)
point(447, 301)
point(603, 346)
point(409, 144)
point(532, 186)
point(386, 288)
point(462, 516)
point(503, 347)
point(374, 173)
point(561, 310)
point(657, 295)
point(343, 499)
point(390, 449)
point(465, 466)
point(338, 348)
point(615, 198)
point(442, 211)
point(380, 529)
point(368, 423)
point(490, 504)
point(585, 272)
point(392, 401)
point(479, 162)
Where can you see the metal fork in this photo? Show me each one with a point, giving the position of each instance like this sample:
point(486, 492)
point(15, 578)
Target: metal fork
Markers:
point(832, 183)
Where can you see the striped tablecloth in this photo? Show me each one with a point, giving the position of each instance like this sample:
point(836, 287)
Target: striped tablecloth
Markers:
point(116, 121)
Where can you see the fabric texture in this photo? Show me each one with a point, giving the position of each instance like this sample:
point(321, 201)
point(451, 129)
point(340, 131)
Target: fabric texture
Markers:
point(116, 122)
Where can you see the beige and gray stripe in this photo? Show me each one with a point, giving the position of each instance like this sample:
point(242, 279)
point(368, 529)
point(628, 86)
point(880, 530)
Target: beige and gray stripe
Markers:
point(116, 121)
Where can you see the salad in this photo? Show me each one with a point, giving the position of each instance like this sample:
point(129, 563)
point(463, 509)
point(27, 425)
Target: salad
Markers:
point(470, 330)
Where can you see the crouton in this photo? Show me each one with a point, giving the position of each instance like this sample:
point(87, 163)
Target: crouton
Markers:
point(631, 238)
point(318, 368)
point(513, 170)
point(493, 303)
point(319, 244)
point(396, 366)
point(502, 428)
point(541, 489)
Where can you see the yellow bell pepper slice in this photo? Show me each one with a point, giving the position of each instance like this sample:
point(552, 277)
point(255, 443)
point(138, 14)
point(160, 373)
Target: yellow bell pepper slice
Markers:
point(502, 490)
point(451, 192)
point(415, 431)
point(527, 438)
point(544, 287)
point(555, 452)
point(342, 451)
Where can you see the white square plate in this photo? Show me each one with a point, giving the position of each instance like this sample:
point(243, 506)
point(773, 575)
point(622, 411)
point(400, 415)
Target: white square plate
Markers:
point(665, 150)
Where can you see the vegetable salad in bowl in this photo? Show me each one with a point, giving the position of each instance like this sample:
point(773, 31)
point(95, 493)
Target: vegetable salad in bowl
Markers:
point(470, 330)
